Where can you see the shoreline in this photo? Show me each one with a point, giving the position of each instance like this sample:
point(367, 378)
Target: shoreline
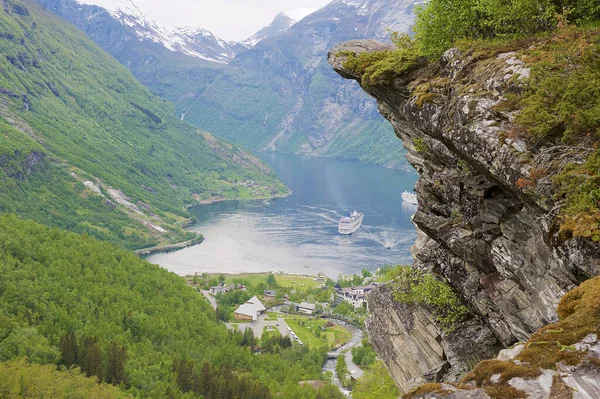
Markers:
point(169, 247)
point(217, 200)
point(190, 221)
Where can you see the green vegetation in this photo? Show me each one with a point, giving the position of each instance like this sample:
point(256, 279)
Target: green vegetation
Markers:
point(375, 383)
point(20, 380)
point(343, 373)
point(369, 141)
point(70, 300)
point(364, 356)
point(380, 67)
point(420, 145)
point(415, 286)
point(96, 123)
point(442, 22)
point(318, 333)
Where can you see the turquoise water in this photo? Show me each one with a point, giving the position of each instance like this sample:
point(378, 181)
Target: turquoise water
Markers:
point(298, 234)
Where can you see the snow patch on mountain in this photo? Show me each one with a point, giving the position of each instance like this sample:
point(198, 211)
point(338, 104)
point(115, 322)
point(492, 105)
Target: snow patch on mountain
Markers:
point(192, 41)
point(282, 22)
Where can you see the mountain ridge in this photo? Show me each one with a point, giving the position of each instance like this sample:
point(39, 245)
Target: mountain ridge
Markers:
point(80, 132)
point(290, 101)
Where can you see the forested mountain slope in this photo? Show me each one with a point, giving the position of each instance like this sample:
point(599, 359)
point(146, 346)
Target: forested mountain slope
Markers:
point(279, 95)
point(71, 300)
point(87, 147)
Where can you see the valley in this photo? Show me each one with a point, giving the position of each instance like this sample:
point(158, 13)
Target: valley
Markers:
point(145, 252)
point(274, 94)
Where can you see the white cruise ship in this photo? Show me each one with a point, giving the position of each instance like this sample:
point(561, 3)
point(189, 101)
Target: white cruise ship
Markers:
point(410, 198)
point(349, 224)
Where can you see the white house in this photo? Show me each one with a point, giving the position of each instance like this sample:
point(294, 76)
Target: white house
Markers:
point(250, 310)
point(308, 308)
point(216, 289)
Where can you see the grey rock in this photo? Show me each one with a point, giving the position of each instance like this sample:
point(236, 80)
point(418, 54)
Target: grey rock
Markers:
point(494, 241)
point(510, 353)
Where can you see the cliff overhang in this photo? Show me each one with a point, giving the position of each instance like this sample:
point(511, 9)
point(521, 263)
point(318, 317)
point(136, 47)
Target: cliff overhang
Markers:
point(487, 216)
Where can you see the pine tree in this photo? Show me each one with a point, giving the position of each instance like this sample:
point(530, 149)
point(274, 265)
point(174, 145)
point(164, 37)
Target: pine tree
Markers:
point(90, 358)
point(68, 349)
point(115, 373)
point(205, 379)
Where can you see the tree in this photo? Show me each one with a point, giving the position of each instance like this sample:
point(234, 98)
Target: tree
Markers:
point(90, 357)
point(271, 282)
point(205, 379)
point(68, 349)
point(115, 371)
point(223, 313)
point(365, 272)
point(375, 383)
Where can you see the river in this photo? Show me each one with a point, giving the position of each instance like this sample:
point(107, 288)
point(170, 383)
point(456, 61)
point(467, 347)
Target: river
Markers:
point(298, 234)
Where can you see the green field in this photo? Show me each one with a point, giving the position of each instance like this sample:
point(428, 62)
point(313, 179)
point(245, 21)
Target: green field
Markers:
point(269, 334)
point(283, 280)
point(306, 329)
point(298, 282)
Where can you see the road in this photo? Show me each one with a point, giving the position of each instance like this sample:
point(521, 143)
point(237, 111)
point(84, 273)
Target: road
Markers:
point(211, 299)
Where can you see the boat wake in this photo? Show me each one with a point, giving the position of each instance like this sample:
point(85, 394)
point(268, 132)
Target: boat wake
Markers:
point(389, 238)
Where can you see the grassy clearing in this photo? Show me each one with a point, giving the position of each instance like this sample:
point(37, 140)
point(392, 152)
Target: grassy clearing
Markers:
point(268, 334)
point(310, 333)
point(307, 337)
point(254, 279)
point(298, 282)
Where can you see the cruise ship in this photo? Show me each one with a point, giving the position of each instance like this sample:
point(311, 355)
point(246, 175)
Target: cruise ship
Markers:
point(349, 224)
point(410, 198)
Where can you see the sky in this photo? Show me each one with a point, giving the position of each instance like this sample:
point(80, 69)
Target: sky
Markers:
point(233, 20)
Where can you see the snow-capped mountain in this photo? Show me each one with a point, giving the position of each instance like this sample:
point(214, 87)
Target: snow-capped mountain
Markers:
point(194, 42)
point(275, 91)
point(280, 24)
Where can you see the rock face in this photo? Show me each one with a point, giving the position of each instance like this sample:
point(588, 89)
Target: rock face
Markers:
point(491, 237)
point(415, 350)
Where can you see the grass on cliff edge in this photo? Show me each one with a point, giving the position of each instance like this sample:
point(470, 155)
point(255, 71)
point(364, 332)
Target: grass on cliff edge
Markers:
point(579, 316)
point(381, 67)
point(415, 286)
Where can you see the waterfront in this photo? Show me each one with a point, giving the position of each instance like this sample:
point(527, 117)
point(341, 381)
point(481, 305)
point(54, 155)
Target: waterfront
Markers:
point(298, 234)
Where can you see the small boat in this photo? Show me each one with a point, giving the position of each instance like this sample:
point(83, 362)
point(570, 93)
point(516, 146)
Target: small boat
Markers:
point(349, 224)
point(410, 198)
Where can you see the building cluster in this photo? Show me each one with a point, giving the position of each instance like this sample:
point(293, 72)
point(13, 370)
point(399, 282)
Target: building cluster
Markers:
point(222, 288)
point(357, 296)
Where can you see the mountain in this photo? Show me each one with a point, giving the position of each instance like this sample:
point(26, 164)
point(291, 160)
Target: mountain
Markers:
point(280, 24)
point(278, 95)
point(88, 148)
point(175, 64)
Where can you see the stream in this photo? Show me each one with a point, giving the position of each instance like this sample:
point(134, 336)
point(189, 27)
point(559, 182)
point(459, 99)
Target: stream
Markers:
point(330, 363)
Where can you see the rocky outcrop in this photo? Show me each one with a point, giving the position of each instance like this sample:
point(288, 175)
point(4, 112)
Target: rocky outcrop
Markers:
point(416, 350)
point(490, 236)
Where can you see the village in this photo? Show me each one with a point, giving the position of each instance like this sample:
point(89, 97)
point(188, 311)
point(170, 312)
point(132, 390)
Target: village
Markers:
point(312, 311)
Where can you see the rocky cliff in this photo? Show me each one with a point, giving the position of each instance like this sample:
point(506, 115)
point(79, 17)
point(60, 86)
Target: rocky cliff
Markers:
point(487, 216)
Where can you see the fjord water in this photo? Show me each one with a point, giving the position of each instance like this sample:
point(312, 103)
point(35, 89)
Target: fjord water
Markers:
point(298, 234)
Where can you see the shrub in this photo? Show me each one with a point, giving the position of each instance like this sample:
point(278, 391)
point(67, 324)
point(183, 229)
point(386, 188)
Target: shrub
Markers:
point(415, 286)
point(380, 67)
point(441, 22)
